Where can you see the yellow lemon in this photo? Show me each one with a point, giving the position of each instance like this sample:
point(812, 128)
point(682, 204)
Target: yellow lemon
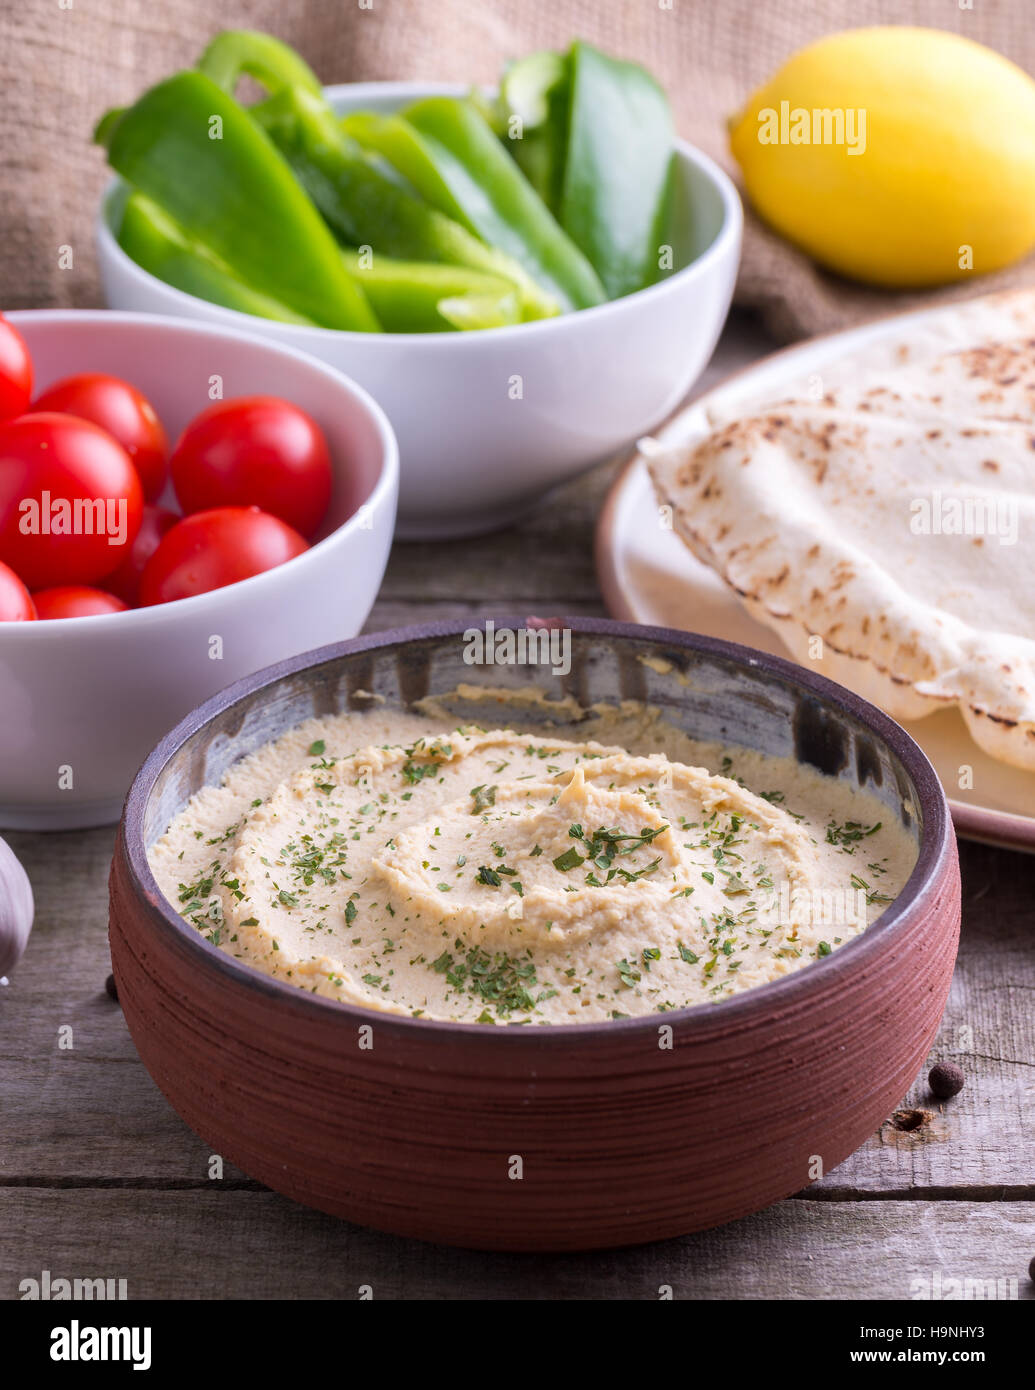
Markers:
point(898, 156)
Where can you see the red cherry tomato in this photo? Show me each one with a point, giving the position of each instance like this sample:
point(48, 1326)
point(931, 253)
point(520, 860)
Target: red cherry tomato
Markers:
point(70, 500)
point(154, 523)
point(75, 601)
point(15, 372)
point(16, 605)
point(209, 550)
point(255, 451)
point(120, 409)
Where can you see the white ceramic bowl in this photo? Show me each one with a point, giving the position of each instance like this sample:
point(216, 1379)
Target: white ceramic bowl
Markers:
point(83, 700)
point(591, 383)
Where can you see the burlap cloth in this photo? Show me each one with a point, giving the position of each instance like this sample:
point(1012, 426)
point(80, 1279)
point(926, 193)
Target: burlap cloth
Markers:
point(62, 62)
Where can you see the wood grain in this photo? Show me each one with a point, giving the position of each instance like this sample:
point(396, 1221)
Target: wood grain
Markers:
point(984, 1138)
point(210, 1244)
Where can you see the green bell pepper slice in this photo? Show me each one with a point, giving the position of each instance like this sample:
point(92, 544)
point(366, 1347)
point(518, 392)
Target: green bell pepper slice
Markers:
point(152, 239)
point(617, 168)
point(532, 119)
point(189, 147)
point(475, 311)
point(274, 64)
point(364, 205)
point(447, 150)
point(408, 296)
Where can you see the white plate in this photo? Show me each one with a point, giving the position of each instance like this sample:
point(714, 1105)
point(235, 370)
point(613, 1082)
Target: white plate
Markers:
point(648, 575)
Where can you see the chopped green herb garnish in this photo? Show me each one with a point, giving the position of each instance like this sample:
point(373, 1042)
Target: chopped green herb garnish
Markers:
point(483, 798)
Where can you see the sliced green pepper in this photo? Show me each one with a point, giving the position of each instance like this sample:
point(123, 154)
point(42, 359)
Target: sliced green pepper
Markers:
point(398, 143)
point(365, 207)
point(197, 154)
point(152, 239)
point(532, 117)
point(408, 296)
point(362, 204)
point(467, 213)
point(447, 150)
point(472, 311)
point(235, 52)
point(617, 168)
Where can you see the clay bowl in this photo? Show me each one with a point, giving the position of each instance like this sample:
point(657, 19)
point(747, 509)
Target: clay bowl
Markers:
point(620, 1140)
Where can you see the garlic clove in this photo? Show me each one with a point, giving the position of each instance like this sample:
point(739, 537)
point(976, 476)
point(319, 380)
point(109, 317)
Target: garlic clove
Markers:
point(16, 908)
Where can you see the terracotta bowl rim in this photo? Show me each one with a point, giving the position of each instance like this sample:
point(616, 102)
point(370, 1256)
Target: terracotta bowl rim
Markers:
point(918, 894)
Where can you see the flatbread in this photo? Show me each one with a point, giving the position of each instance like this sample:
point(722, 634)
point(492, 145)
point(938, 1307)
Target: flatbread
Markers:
point(993, 318)
point(892, 518)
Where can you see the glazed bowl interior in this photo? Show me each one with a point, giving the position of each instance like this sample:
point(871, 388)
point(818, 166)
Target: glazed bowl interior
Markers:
point(713, 691)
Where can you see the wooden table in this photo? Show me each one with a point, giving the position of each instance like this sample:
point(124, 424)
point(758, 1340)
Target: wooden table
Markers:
point(99, 1177)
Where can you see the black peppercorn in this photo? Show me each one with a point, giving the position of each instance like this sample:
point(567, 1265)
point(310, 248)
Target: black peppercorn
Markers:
point(945, 1080)
point(112, 988)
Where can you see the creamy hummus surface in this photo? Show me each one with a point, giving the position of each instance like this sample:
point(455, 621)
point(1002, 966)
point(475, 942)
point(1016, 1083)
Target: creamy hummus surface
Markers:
point(607, 868)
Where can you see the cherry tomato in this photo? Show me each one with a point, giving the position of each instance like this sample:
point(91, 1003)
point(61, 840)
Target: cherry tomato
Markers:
point(75, 601)
point(15, 372)
point(70, 500)
point(16, 605)
point(255, 451)
point(120, 409)
point(154, 523)
point(209, 550)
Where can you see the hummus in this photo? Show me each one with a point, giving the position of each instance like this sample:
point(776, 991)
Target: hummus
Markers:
point(497, 876)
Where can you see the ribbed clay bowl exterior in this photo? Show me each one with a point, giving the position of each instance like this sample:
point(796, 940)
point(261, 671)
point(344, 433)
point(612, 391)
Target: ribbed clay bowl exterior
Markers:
point(620, 1139)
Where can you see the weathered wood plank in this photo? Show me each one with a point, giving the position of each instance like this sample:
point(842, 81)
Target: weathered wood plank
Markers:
point(547, 557)
point(986, 1134)
point(90, 1109)
point(210, 1244)
point(389, 613)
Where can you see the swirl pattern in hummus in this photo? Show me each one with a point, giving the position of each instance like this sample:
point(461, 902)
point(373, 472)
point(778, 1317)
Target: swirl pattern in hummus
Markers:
point(501, 876)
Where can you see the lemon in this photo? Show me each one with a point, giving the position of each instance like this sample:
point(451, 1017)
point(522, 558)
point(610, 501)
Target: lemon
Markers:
point(898, 156)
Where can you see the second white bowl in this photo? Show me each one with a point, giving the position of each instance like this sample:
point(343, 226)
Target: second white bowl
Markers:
point(489, 421)
point(82, 700)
